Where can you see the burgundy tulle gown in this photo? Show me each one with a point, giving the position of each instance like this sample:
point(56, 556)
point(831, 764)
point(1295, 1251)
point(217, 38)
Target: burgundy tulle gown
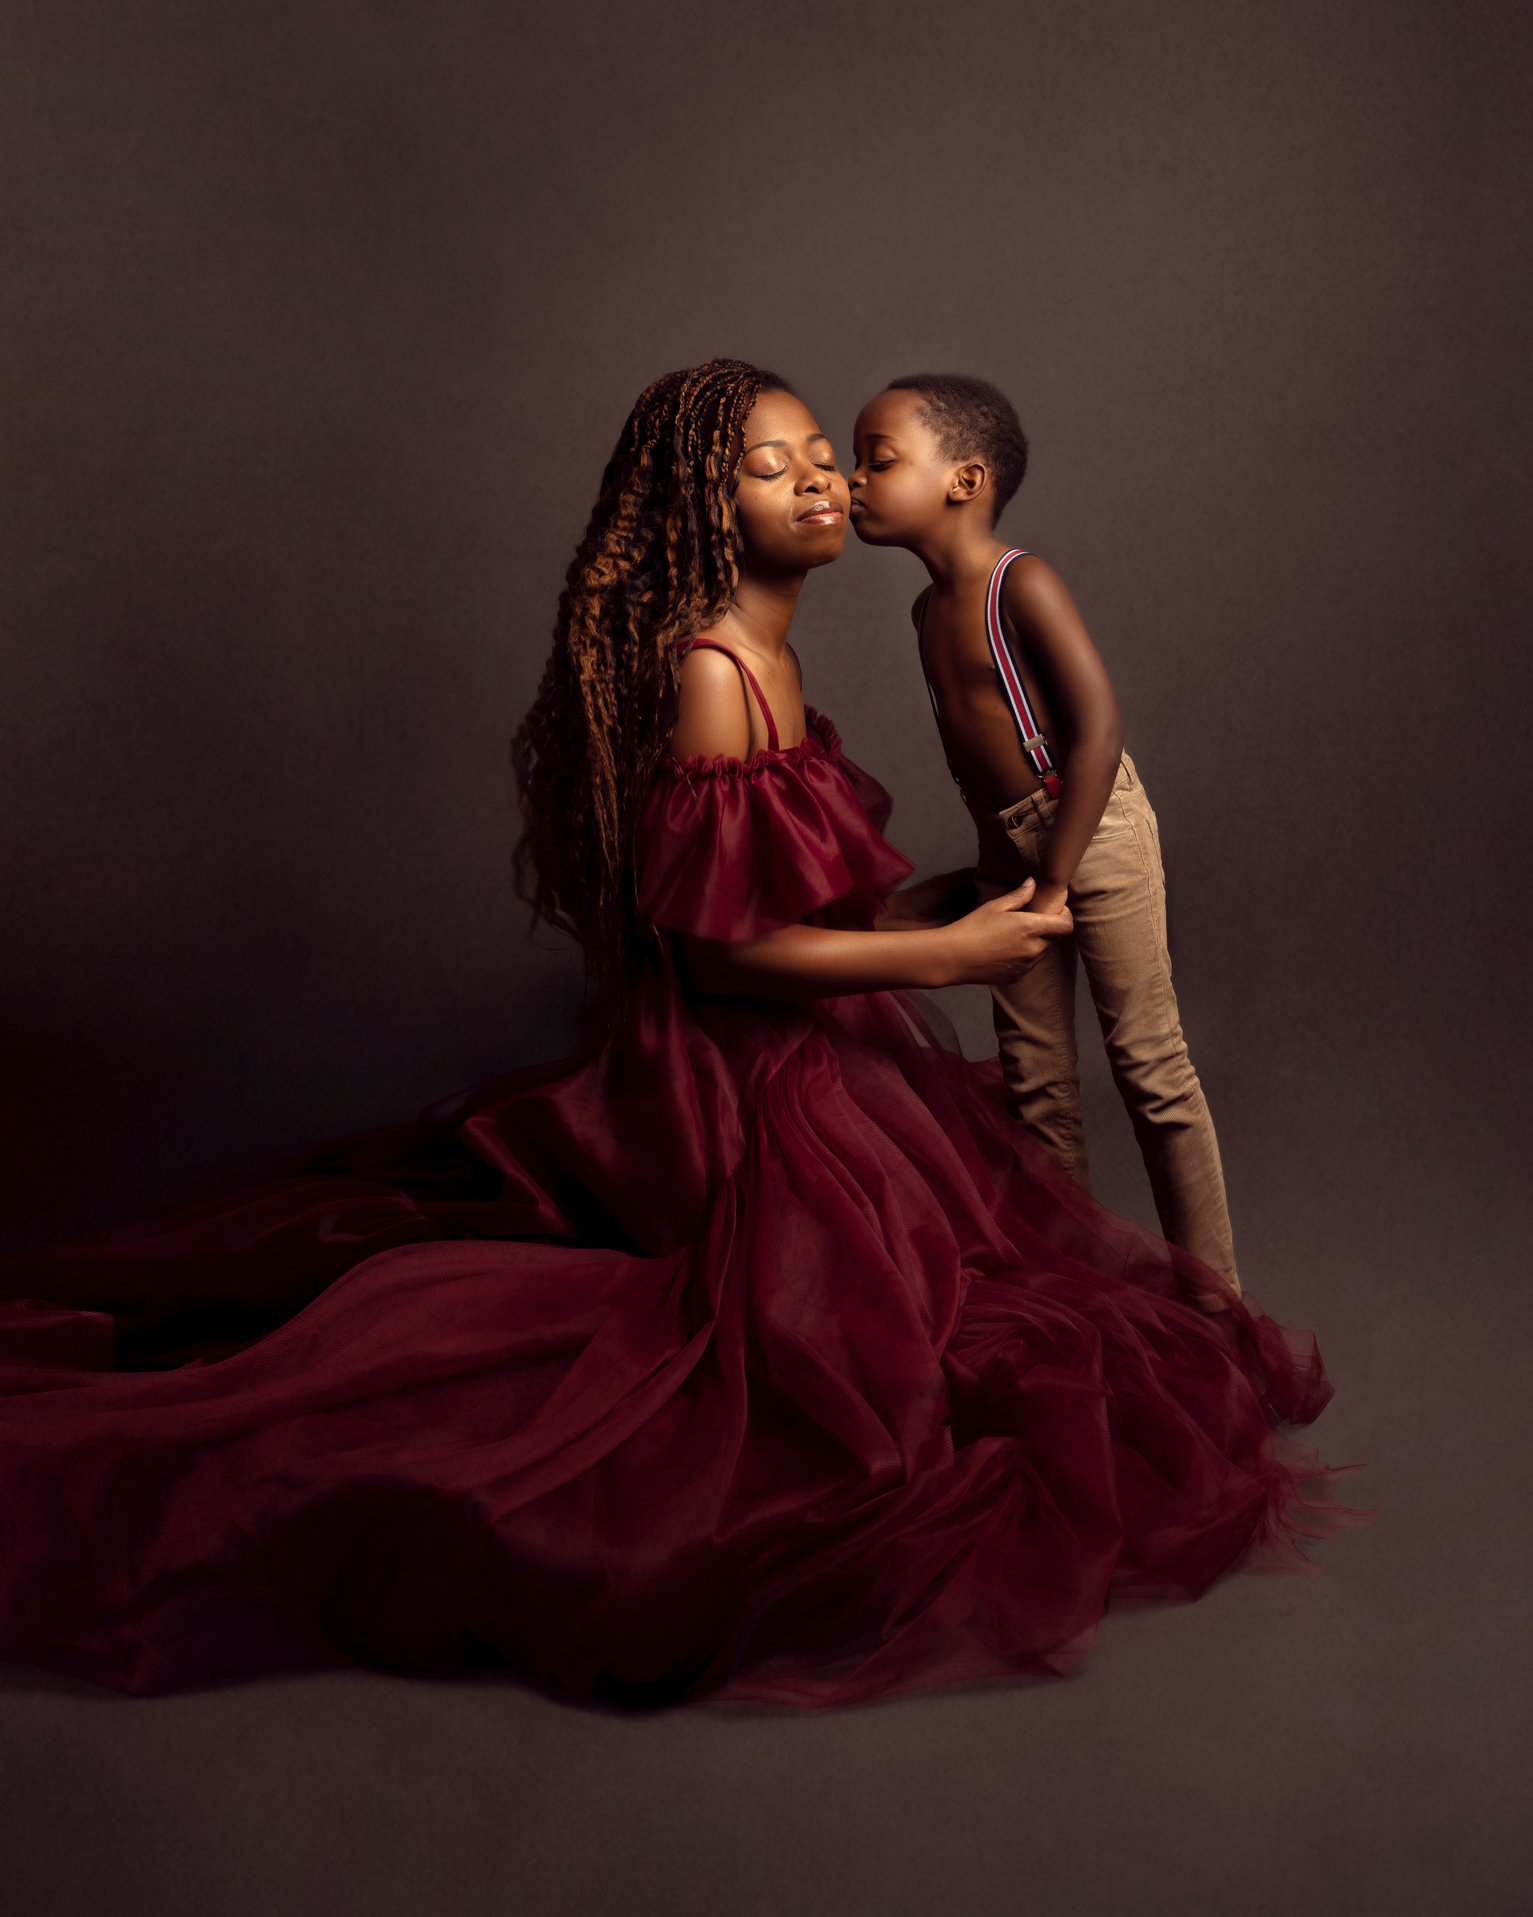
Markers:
point(754, 1354)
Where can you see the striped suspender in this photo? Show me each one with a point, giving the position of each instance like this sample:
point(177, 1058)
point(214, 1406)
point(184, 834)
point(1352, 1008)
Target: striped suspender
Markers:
point(1033, 742)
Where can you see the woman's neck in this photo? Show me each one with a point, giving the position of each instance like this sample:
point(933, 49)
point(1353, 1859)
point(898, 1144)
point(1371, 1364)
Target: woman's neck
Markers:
point(763, 610)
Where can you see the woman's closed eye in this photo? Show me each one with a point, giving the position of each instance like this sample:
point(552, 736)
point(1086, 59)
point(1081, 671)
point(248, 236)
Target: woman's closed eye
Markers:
point(825, 466)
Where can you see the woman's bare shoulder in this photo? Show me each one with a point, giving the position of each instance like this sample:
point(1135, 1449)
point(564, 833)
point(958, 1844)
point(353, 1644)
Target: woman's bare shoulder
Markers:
point(713, 717)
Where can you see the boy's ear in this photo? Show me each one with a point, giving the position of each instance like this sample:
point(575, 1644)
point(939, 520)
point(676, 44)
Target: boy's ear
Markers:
point(968, 482)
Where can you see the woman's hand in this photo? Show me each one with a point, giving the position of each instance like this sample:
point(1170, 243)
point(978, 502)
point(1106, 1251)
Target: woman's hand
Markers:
point(1000, 939)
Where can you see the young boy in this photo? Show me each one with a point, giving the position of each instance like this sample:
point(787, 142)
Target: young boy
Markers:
point(1032, 734)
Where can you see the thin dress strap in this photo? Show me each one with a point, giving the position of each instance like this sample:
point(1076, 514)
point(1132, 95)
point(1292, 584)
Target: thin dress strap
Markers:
point(712, 645)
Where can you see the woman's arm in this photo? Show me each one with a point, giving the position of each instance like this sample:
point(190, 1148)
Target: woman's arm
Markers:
point(989, 946)
point(1053, 631)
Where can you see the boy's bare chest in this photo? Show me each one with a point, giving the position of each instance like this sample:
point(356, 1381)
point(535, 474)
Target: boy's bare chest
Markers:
point(978, 728)
point(961, 666)
point(958, 655)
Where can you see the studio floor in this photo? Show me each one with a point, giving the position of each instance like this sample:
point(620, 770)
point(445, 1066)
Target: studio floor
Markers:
point(1347, 1742)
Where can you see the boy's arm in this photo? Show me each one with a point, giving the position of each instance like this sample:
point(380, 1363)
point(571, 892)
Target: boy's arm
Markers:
point(1042, 611)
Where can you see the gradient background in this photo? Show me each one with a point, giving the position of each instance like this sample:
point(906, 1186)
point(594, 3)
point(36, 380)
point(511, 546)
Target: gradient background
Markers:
point(321, 320)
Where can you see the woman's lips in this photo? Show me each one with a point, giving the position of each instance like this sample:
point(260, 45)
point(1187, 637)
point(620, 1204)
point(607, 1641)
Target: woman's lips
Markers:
point(821, 516)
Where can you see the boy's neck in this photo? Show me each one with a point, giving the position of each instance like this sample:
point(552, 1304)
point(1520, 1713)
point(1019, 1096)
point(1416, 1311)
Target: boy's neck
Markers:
point(960, 556)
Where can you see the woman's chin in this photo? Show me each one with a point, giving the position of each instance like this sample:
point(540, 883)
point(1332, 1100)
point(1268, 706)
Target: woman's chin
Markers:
point(821, 544)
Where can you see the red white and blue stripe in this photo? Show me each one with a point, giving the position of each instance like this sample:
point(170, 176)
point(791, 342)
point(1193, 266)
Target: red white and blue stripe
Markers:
point(1033, 742)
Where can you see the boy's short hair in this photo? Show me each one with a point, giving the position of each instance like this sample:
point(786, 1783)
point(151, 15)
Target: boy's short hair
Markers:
point(969, 417)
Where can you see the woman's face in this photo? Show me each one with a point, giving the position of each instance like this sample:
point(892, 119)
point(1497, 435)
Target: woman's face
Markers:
point(790, 500)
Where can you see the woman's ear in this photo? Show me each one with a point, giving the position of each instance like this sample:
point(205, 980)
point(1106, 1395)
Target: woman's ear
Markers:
point(968, 482)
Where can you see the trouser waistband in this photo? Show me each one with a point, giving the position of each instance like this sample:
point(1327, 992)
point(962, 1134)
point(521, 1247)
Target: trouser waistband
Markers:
point(1125, 778)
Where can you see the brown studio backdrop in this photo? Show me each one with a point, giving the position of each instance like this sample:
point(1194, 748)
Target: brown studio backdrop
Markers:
point(321, 320)
point(324, 320)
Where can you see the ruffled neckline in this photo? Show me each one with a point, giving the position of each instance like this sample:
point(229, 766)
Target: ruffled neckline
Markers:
point(820, 740)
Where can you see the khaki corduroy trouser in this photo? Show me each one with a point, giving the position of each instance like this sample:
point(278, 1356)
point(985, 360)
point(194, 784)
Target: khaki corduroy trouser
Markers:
point(1118, 899)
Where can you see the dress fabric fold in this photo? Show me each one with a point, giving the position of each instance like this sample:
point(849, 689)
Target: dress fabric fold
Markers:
point(752, 1353)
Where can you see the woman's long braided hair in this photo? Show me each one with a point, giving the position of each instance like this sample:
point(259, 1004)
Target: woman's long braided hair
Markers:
point(659, 563)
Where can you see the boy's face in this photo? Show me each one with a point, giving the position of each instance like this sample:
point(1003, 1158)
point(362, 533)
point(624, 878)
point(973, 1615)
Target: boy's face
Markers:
point(901, 477)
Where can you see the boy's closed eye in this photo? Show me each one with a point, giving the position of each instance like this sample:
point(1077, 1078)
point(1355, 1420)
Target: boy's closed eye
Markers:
point(877, 456)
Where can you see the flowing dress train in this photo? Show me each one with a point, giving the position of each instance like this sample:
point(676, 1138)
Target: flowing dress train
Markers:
point(753, 1352)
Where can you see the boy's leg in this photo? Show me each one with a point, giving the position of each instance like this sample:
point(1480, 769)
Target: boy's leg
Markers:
point(1118, 898)
point(1034, 1015)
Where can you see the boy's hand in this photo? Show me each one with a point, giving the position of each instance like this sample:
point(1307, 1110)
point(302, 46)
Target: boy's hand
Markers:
point(1050, 899)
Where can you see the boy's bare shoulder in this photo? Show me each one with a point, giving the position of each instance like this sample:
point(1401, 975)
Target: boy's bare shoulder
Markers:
point(1032, 590)
point(1038, 605)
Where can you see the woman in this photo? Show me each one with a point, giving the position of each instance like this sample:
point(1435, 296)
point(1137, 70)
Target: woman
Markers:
point(742, 1356)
